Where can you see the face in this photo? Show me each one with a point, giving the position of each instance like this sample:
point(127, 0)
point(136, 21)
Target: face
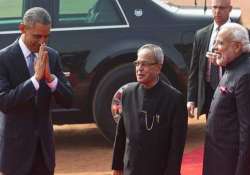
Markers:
point(35, 35)
point(221, 10)
point(226, 48)
point(147, 70)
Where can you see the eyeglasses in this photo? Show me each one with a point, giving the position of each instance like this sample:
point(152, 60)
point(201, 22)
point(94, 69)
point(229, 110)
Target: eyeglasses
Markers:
point(219, 42)
point(144, 63)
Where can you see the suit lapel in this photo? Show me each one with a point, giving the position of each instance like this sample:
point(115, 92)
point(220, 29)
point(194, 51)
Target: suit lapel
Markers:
point(206, 40)
point(18, 62)
point(208, 36)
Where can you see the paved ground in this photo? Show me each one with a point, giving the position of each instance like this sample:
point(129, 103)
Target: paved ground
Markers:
point(81, 149)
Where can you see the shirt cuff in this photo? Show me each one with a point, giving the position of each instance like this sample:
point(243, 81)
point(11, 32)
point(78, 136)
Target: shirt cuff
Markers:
point(52, 85)
point(35, 82)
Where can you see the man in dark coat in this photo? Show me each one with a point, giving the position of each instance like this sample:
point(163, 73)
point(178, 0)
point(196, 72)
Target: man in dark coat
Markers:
point(26, 131)
point(227, 144)
point(151, 131)
point(204, 76)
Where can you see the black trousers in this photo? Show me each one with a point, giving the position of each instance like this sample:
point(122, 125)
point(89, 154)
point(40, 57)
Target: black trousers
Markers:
point(39, 167)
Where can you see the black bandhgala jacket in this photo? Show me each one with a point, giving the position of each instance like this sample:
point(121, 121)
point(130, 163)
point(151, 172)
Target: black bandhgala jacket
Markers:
point(151, 132)
point(227, 145)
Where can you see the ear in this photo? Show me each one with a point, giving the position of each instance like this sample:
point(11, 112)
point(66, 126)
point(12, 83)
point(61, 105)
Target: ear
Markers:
point(238, 47)
point(22, 28)
point(159, 66)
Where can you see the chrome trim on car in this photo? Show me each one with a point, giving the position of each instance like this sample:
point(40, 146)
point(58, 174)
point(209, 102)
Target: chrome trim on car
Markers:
point(83, 27)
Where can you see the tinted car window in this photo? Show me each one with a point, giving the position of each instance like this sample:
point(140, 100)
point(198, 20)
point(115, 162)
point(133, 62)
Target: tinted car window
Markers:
point(11, 12)
point(89, 13)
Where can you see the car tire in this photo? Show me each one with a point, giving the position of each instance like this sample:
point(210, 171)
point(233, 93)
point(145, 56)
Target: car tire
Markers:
point(104, 93)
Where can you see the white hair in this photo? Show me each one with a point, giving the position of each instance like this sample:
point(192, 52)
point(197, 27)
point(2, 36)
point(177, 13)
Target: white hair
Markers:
point(238, 33)
point(156, 50)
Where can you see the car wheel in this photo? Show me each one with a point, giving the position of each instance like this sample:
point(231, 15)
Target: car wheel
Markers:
point(104, 94)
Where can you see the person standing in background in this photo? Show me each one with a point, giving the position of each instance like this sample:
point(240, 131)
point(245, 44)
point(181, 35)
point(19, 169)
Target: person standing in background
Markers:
point(203, 75)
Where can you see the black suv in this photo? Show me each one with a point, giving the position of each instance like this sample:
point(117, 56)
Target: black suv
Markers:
point(98, 40)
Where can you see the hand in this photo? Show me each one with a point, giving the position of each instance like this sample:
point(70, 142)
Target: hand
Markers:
point(190, 109)
point(117, 172)
point(40, 63)
point(214, 57)
point(47, 74)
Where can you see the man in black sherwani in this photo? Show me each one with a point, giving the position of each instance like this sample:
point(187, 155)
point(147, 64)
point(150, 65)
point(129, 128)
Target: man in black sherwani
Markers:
point(151, 131)
point(227, 144)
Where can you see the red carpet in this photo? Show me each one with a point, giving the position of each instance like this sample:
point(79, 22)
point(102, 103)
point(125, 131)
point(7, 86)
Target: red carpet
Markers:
point(192, 162)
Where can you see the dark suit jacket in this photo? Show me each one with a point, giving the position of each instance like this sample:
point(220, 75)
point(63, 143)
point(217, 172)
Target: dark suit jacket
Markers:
point(198, 66)
point(227, 145)
point(147, 146)
point(24, 112)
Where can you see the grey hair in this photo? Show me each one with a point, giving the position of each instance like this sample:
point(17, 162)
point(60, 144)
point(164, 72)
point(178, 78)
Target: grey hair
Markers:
point(238, 33)
point(36, 15)
point(156, 50)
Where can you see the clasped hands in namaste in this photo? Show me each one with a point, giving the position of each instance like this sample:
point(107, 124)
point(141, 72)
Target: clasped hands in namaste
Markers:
point(215, 58)
point(41, 67)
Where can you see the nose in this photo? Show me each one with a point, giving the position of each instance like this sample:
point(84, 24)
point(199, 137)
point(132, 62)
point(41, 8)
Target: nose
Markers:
point(140, 67)
point(42, 40)
point(217, 10)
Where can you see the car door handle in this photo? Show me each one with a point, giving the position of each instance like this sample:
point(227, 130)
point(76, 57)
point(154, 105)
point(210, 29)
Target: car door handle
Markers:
point(67, 74)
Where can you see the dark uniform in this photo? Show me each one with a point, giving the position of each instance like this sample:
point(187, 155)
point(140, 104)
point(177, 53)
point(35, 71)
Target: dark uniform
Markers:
point(198, 89)
point(151, 132)
point(227, 145)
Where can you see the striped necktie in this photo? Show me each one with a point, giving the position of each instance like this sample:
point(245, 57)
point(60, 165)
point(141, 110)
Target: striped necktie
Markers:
point(31, 60)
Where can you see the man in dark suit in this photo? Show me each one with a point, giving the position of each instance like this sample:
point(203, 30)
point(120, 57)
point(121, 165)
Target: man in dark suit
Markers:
point(227, 141)
point(204, 76)
point(26, 131)
point(151, 131)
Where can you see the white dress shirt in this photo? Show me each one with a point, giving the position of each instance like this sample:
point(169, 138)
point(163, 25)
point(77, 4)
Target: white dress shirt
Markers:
point(214, 34)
